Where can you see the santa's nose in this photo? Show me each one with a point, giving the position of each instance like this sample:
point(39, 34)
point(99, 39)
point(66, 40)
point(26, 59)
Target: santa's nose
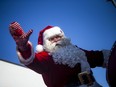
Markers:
point(57, 39)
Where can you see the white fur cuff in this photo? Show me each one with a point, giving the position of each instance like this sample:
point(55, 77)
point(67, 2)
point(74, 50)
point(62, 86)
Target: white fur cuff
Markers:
point(106, 54)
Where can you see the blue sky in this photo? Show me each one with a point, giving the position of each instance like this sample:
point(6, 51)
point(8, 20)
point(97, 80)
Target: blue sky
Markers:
point(91, 24)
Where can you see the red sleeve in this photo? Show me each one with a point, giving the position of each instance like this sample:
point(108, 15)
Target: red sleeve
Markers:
point(27, 53)
point(40, 63)
point(95, 58)
point(26, 56)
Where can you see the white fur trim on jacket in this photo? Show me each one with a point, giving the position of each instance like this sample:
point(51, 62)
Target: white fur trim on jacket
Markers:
point(30, 59)
point(106, 54)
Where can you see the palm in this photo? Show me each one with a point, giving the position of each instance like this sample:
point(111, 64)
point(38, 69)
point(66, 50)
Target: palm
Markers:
point(21, 38)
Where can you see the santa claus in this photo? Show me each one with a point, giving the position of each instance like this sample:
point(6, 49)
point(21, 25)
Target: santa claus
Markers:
point(60, 63)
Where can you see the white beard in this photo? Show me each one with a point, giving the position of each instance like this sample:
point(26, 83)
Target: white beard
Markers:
point(66, 53)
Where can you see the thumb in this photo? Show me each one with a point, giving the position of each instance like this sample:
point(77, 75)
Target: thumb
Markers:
point(29, 33)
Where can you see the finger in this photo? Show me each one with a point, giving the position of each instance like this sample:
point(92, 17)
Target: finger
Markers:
point(16, 29)
point(29, 33)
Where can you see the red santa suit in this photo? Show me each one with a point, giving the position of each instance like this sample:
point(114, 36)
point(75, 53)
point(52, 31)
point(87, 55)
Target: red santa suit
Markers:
point(60, 74)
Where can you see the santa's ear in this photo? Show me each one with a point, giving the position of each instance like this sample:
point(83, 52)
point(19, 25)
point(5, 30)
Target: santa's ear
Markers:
point(39, 48)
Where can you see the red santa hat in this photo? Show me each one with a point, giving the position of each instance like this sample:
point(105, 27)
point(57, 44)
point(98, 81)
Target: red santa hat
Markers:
point(45, 34)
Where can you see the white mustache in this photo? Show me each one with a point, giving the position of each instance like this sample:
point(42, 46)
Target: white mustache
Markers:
point(63, 42)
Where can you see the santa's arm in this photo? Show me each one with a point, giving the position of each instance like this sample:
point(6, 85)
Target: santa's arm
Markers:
point(24, 47)
point(97, 58)
point(26, 56)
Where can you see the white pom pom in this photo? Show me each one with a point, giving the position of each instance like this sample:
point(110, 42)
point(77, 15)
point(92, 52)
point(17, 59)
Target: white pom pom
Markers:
point(39, 48)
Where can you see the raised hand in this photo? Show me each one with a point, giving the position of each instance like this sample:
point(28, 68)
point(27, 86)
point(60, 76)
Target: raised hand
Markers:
point(21, 38)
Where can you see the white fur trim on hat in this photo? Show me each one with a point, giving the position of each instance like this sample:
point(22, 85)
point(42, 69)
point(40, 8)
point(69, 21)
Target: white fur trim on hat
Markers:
point(51, 32)
point(39, 48)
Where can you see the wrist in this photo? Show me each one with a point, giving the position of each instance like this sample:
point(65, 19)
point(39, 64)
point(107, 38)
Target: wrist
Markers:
point(23, 47)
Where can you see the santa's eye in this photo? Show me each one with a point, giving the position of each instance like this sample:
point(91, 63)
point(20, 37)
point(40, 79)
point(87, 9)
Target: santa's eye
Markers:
point(55, 37)
point(52, 38)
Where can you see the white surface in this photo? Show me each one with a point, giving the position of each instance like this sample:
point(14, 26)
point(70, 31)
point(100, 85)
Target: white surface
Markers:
point(12, 75)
